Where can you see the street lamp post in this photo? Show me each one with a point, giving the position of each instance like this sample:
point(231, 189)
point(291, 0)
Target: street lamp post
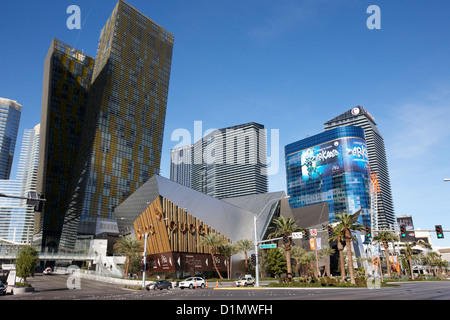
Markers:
point(145, 252)
point(255, 218)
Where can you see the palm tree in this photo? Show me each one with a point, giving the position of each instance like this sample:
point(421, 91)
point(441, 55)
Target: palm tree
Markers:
point(427, 260)
point(228, 250)
point(434, 256)
point(286, 227)
point(309, 259)
point(213, 241)
point(385, 236)
point(325, 252)
point(245, 245)
point(128, 246)
point(338, 236)
point(348, 224)
point(409, 252)
point(297, 253)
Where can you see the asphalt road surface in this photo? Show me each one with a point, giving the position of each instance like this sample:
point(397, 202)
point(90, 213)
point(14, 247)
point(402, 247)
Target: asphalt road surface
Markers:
point(54, 287)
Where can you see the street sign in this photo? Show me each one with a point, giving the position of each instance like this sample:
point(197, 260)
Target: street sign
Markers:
point(297, 235)
point(267, 246)
point(313, 232)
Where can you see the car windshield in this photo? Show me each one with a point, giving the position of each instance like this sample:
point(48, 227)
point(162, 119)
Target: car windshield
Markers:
point(189, 279)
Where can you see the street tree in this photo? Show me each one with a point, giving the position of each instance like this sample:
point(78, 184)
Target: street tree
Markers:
point(385, 236)
point(348, 224)
point(338, 236)
point(297, 253)
point(325, 253)
point(283, 226)
point(26, 262)
point(128, 246)
point(214, 241)
point(245, 245)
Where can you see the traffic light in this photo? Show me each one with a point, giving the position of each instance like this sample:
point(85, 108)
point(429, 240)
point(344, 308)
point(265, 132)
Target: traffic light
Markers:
point(368, 232)
point(285, 238)
point(439, 233)
point(306, 234)
point(402, 232)
point(330, 231)
point(253, 259)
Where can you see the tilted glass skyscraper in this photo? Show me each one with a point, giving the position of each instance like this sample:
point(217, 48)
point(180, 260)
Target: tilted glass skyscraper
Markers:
point(359, 116)
point(10, 112)
point(103, 124)
point(330, 167)
point(122, 136)
point(66, 83)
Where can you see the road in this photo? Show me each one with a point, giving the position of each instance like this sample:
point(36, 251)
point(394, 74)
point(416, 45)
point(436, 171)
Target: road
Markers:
point(54, 287)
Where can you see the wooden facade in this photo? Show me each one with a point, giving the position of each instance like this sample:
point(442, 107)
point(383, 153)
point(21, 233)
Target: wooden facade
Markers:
point(171, 229)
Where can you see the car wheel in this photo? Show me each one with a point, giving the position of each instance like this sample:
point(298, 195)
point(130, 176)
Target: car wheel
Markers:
point(202, 286)
point(191, 286)
point(182, 288)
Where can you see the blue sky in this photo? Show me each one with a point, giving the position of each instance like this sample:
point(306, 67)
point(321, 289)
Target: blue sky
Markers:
point(290, 65)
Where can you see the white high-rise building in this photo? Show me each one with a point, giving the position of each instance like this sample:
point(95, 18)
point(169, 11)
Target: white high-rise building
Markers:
point(228, 162)
point(16, 217)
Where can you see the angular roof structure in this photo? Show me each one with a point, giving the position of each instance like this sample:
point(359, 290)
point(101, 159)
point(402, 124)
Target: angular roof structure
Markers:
point(232, 217)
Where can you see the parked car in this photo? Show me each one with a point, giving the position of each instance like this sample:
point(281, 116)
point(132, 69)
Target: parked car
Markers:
point(48, 270)
point(161, 284)
point(2, 288)
point(192, 282)
point(246, 281)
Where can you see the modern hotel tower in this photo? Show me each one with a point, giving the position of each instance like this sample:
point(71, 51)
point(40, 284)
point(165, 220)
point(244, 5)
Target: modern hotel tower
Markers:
point(122, 133)
point(66, 83)
point(226, 163)
point(10, 112)
point(359, 116)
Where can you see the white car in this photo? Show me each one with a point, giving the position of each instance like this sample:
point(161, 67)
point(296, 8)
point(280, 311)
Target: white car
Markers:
point(192, 283)
point(48, 270)
point(247, 281)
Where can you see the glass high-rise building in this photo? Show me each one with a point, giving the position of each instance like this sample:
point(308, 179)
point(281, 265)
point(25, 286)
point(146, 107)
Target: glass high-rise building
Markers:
point(122, 136)
point(359, 116)
point(10, 112)
point(102, 125)
point(16, 217)
point(66, 83)
point(330, 167)
point(181, 160)
point(226, 163)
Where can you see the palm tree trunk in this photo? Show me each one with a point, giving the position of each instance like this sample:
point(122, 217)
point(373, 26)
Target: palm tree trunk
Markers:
point(348, 243)
point(127, 265)
point(246, 261)
point(410, 266)
point(287, 249)
point(317, 258)
point(350, 261)
point(388, 264)
point(215, 265)
point(327, 272)
point(341, 258)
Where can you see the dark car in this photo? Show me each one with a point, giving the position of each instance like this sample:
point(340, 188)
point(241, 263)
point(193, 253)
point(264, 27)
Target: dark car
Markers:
point(2, 288)
point(161, 284)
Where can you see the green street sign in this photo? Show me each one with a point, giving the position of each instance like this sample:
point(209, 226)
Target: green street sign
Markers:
point(267, 246)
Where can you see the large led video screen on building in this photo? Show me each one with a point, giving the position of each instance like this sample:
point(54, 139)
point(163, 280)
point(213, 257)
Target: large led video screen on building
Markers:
point(334, 157)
